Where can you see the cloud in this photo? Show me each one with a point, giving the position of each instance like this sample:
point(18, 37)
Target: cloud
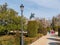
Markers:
point(48, 3)
point(41, 13)
point(42, 8)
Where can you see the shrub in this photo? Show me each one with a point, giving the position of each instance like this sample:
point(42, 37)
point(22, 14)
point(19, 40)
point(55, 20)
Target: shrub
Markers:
point(39, 35)
point(32, 28)
point(48, 28)
point(44, 31)
point(41, 29)
point(29, 40)
point(7, 40)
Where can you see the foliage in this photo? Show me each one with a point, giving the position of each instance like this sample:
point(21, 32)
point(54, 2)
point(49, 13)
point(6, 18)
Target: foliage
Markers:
point(2, 28)
point(9, 19)
point(59, 31)
point(32, 28)
point(54, 24)
point(29, 40)
point(7, 40)
point(48, 28)
point(56, 28)
point(39, 35)
point(17, 38)
point(41, 29)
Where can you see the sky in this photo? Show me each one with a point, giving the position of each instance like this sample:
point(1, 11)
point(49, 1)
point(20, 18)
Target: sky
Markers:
point(42, 8)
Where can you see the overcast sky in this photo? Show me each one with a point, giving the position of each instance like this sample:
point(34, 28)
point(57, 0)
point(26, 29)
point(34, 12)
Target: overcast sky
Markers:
point(42, 8)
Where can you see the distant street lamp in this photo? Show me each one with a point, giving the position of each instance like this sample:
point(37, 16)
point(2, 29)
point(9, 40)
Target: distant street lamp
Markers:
point(22, 8)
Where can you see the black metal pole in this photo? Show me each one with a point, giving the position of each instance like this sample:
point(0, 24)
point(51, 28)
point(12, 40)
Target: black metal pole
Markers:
point(22, 43)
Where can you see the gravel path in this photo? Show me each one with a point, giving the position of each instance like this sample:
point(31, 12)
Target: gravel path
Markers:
point(47, 40)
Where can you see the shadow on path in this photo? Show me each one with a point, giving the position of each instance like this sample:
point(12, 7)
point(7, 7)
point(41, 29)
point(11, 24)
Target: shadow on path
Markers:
point(54, 43)
point(54, 39)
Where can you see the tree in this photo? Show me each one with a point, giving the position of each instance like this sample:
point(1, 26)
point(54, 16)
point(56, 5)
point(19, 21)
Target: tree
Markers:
point(54, 24)
point(3, 8)
point(11, 17)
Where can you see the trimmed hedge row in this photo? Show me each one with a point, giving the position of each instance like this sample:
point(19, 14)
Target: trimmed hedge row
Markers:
point(32, 28)
point(29, 40)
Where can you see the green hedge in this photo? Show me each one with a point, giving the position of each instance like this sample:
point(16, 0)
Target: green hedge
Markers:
point(32, 28)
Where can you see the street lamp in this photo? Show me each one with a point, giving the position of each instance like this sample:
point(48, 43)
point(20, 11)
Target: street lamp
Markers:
point(22, 8)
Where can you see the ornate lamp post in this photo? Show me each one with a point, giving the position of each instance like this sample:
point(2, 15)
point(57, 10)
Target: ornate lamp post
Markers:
point(22, 8)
